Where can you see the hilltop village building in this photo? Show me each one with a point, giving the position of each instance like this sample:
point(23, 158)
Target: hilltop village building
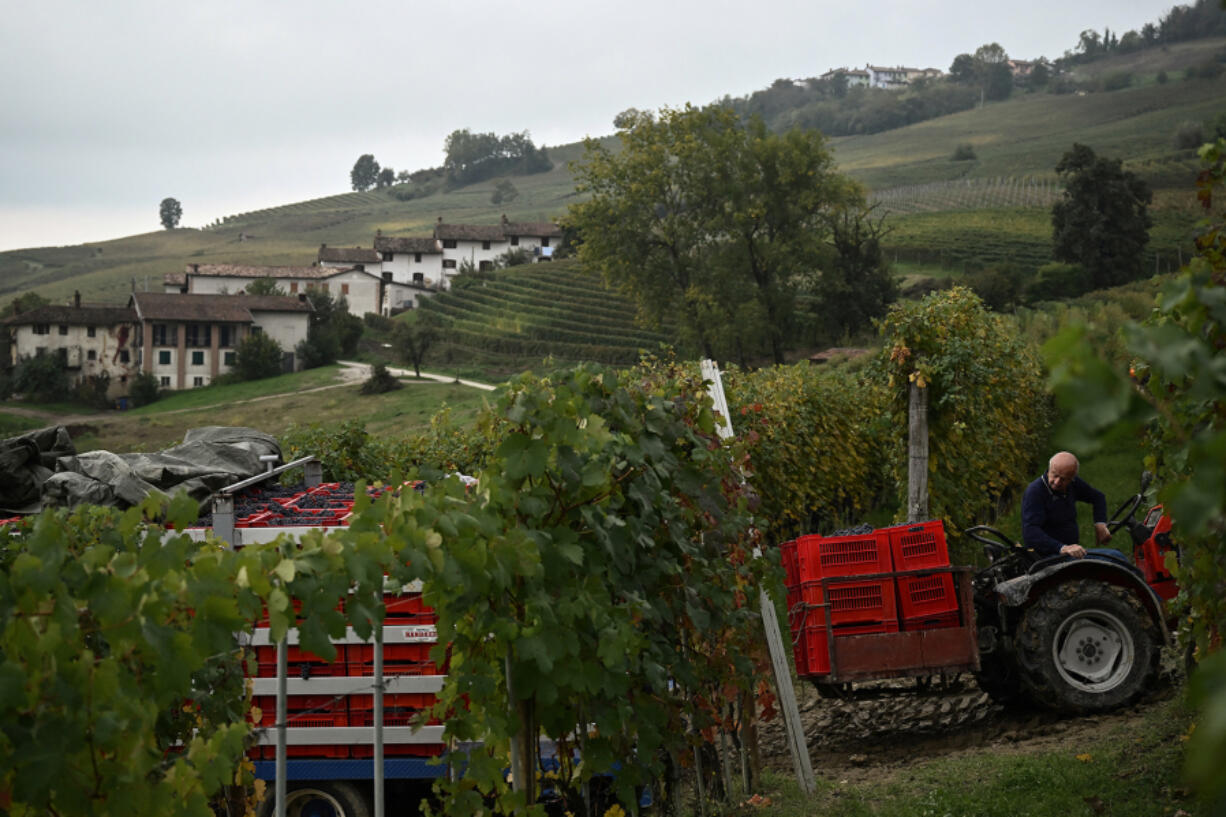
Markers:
point(877, 76)
point(393, 276)
point(184, 340)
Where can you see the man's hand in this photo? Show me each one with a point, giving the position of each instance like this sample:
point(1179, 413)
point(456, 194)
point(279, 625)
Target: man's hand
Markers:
point(1076, 551)
point(1102, 532)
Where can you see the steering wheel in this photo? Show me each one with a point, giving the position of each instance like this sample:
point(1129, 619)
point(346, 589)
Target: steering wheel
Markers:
point(1124, 512)
point(996, 543)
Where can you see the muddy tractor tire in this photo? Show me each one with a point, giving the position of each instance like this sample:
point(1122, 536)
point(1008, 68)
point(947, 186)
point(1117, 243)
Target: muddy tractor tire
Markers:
point(1086, 646)
point(318, 799)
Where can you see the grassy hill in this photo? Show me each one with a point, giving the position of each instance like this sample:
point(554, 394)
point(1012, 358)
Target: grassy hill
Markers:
point(1017, 142)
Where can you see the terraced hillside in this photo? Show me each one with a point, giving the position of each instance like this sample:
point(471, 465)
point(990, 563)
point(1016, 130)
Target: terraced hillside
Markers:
point(543, 310)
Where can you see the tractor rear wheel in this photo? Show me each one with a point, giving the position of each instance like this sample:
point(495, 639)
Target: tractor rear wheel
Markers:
point(319, 799)
point(1086, 646)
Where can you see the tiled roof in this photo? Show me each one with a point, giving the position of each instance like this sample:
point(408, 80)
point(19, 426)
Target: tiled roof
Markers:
point(243, 271)
point(469, 232)
point(83, 315)
point(173, 306)
point(385, 243)
point(531, 228)
point(348, 255)
point(177, 279)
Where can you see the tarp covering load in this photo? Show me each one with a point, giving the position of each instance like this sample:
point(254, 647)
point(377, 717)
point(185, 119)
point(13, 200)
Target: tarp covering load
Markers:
point(42, 468)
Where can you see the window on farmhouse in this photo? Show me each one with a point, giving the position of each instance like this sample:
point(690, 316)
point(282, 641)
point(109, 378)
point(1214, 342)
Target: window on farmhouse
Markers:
point(63, 329)
point(224, 336)
point(344, 289)
point(124, 357)
point(418, 278)
point(387, 256)
point(197, 382)
point(448, 263)
point(164, 335)
point(545, 241)
point(164, 357)
point(486, 265)
point(165, 381)
point(448, 243)
point(42, 329)
point(416, 258)
point(230, 357)
point(514, 241)
point(91, 332)
point(197, 358)
point(293, 287)
point(196, 334)
point(92, 354)
point(485, 245)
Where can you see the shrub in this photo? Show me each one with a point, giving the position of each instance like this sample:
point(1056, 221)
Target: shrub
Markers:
point(257, 356)
point(513, 257)
point(1161, 79)
point(377, 322)
point(1058, 281)
point(92, 391)
point(380, 381)
point(144, 389)
point(1000, 289)
point(964, 152)
point(1189, 136)
point(42, 377)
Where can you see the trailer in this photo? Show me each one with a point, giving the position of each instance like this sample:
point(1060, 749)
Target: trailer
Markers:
point(330, 726)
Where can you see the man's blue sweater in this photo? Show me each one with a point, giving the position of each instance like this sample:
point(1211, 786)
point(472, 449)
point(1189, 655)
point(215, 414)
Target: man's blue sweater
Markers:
point(1049, 518)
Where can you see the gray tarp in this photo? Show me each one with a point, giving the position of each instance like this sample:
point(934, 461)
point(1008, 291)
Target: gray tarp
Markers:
point(208, 458)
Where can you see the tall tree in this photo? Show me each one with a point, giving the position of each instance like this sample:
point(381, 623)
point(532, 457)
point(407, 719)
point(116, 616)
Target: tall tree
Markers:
point(1102, 220)
point(711, 223)
point(170, 211)
point(365, 172)
point(856, 286)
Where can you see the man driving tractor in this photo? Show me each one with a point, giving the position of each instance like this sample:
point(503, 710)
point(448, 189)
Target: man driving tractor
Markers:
point(1049, 510)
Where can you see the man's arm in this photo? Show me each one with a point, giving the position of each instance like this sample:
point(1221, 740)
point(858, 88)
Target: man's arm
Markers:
point(1085, 492)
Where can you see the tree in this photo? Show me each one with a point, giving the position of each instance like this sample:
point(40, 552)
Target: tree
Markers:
point(1102, 220)
point(264, 286)
point(962, 69)
point(413, 337)
point(629, 117)
point(257, 356)
point(333, 331)
point(992, 72)
point(857, 285)
point(365, 172)
point(387, 177)
point(144, 389)
point(715, 224)
point(170, 211)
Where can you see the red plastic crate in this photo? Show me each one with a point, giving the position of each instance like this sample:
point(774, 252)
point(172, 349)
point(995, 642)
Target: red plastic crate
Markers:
point(851, 602)
point(298, 662)
point(821, 557)
point(398, 659)
point(791, 564)
point(915, 547)
point(407, 609)
point(939, 622)
point(328, 752)
point(399, 708)
point(932, 595)
point(817, 651)
point(303, 711)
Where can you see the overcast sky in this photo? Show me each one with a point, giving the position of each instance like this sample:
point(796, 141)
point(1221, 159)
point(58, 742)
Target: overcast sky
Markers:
point(228, 106)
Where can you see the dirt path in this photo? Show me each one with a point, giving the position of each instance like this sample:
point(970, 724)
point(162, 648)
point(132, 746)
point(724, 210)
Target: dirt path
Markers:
point(873, 739)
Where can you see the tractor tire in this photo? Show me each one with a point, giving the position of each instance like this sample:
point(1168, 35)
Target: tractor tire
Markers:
point(1086, 646)
point(318, 799)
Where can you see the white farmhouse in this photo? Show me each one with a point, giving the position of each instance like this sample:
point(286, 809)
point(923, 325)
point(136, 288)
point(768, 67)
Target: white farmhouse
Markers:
point(361, 288)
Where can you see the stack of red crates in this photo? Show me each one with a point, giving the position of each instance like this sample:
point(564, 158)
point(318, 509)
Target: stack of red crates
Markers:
point(824, 579)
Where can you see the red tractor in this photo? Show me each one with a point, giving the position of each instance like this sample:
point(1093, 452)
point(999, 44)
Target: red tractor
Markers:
point(1076, 635)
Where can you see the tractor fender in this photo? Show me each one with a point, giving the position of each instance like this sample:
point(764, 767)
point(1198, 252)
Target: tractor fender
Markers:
point(1020, 591)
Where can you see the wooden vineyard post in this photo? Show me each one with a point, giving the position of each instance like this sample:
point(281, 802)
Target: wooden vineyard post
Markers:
point(770, 622)
point(917, 460)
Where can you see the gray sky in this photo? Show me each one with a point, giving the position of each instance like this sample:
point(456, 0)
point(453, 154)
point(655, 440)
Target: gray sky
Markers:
point(228, 106)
